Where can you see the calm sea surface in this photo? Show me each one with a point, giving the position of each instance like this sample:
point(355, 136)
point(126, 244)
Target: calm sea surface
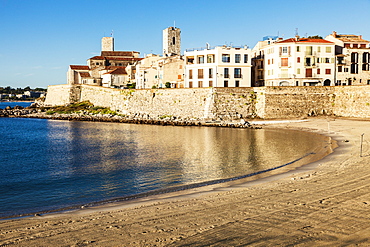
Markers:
point(48, 165)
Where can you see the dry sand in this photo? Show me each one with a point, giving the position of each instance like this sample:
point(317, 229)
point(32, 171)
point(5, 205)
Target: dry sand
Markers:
point(326, 203)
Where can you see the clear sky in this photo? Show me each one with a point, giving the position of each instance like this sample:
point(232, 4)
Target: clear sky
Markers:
point(41, 38)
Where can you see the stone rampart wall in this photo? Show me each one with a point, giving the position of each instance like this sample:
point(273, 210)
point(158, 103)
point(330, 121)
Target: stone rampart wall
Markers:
point(221, 103)
point(352, 101)
point(152, 103)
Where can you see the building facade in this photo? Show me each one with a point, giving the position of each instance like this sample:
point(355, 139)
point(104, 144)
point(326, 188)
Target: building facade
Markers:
point(295, 62)
point(352, 59)
point(108, 69)
point(220, 66)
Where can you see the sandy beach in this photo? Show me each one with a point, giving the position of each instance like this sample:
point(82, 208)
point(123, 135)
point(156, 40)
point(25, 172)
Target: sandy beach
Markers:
point(324, 203)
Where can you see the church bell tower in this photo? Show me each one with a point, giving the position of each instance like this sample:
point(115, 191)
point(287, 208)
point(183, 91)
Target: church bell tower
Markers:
point(171, 41)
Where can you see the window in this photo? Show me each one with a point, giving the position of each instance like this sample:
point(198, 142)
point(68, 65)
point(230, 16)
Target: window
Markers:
point(319, 49)
point(237, 58)
point(226, 58)
point(318, 71)
point(268, 61)
point(308, 61)
point(298, 59)
point(327, 71)
point(190, 84)
point(365, 67)
point(190, 74)
point(237, 73)
point(226, 83)
point(189, 60)
point(340, 68)
point(366, 57)
point(354, 57)
point(298, 71)
point(308, 50)
point(179, 77)
point(345, 69)
point(237, 83)
point(200, 74)
point(210, 58)
point(226, 72)
point(200, 84)
point(363, 46)
point(211, 83)
point(200, 59)
point(346, 45)
point(328, 49)
point(284, 62)
point(210, 73)
point(308, 72)
point(354, 68)
point(298, 48)
point(245, 58)
point(173, 40)
point(285, 49)
point(327, 60)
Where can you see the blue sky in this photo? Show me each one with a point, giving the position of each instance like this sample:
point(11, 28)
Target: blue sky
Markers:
point(40, 38)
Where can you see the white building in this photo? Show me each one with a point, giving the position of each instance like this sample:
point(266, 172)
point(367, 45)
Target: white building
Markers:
point(220, 66)
point(353, 59)
point(295, 62)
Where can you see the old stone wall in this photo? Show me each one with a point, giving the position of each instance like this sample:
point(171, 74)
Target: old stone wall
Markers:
point(221, 103)
point(153, 103)
point(352, 101)
point(61, 95)
point(285, 102)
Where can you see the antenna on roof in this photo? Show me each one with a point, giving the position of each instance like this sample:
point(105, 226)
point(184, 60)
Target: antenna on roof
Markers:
point(174, 24)
point(296, 32)
point(111, 34)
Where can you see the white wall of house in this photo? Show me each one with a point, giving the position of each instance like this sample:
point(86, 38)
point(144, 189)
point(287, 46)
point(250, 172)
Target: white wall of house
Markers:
point(299, 62)
point(220, 66)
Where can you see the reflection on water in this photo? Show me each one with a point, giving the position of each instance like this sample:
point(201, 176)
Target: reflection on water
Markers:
point(80, 162)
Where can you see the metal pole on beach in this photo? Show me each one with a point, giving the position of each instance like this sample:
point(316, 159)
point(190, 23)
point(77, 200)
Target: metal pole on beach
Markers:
point(362, 139)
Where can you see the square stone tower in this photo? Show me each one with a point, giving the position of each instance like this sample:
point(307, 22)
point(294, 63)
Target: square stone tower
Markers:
point(171, 41)
point(107, 44)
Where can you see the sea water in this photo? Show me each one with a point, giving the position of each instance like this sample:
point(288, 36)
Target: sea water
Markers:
point(47, 165)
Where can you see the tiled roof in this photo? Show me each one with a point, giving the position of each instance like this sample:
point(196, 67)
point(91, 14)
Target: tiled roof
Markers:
point(118, 53)
point(305, 40)
point(351, 38)
point(85, 74)
point(116, 58)
point(79, 67)
point(117, 71)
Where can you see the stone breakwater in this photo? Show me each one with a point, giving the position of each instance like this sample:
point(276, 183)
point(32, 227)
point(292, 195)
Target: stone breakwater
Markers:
point(170, 121)
point(17, 111)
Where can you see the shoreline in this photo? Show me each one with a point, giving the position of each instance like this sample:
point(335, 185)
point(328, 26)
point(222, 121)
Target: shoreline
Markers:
point(260, 198)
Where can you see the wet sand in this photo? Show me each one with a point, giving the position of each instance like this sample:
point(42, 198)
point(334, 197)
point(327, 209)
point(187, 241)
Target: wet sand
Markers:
point(325, 203)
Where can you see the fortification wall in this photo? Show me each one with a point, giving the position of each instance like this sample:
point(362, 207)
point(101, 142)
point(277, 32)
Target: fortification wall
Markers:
point(61, 95)
point(221, 103)
point(286, 102)
point(152, 103)
point(352, 101)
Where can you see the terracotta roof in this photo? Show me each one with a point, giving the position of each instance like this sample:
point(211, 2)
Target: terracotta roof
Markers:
point(351, 38)
point(85, 74)
point(79, 67)
point(118, 53)
point(305, 40)
point(117, 71)
point(116, 58)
